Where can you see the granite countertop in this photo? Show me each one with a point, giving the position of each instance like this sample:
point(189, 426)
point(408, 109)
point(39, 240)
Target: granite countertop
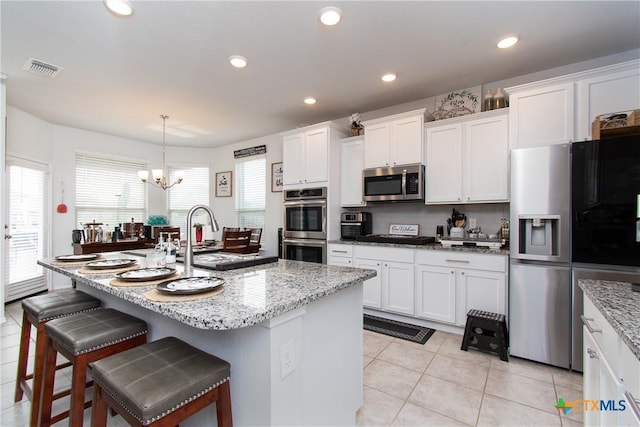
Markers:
point(620, 307)
point(430, 246)
point(251, 295)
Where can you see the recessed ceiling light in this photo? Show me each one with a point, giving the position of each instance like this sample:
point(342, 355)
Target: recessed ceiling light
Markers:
point(508, 41)
point(238, 61)
point(119, 7)
point(389, 77)
point(310, 100)
point(330, 15)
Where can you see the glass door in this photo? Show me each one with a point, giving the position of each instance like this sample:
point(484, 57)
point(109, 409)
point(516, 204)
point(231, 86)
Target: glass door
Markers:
point(26, 228)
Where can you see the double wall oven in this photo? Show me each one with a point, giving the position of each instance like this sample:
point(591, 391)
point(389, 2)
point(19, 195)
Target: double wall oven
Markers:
point(305, 225)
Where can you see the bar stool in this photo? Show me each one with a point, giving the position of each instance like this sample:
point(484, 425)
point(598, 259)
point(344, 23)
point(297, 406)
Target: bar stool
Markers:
point(160, 383)
point(84, 338)
point(37, 311)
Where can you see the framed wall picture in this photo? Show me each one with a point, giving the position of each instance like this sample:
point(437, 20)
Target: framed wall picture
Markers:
point(224, 182)
point(276, 177)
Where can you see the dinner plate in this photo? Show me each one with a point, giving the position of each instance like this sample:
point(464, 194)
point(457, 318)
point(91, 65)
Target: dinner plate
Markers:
point(146, 274)
point(76, 258)
point(190, 285)
point(110, 263)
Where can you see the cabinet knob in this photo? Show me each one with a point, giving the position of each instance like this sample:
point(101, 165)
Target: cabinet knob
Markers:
point(458, 198)
point(452, 272)
point(468, 198)
point(462, 272)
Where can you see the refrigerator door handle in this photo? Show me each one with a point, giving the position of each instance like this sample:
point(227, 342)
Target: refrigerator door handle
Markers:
point(586, 320)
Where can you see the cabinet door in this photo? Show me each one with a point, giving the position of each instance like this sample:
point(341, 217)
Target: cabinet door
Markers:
point(436, 293)
point(292, 159)
point(444, 164)
point(480, 290)
point(316, 157)
point(397, 287)
point(542, 116)
point(340, 261)
point(376, 145)
point(352, 163)
point(486, 160)
point(590, 377)
point(406, 140)
point(609, 93)
point(372, 288)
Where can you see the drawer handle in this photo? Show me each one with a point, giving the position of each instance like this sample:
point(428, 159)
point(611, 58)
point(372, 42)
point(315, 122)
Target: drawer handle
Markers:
point(633, 403)
point(585, 321)
point(458, 260)
point(592, 354)
point(339, 252)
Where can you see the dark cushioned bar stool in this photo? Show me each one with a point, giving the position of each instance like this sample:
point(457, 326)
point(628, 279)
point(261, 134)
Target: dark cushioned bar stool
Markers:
point(37, 311)
point(84, 338)
point(160, 384)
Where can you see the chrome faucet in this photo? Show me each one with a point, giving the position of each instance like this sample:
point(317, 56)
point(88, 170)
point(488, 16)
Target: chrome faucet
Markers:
point(188, 252)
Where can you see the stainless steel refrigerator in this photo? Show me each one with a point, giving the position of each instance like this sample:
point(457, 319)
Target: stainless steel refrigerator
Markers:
point(539, 277)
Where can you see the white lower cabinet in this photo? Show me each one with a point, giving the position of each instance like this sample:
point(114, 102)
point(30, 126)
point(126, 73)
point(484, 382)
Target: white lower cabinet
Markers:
point(372, 288)
point(397, 287)
point(449, 284)
point(341, 255)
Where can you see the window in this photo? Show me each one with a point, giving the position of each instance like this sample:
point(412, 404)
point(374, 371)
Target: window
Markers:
point(194, 190)
point(250, 182)
point(109, 191)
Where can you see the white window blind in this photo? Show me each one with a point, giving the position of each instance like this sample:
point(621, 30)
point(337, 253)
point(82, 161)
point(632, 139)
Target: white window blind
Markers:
point(109, 191)
point(250, 184)
point(194, 190)
point(27, 224)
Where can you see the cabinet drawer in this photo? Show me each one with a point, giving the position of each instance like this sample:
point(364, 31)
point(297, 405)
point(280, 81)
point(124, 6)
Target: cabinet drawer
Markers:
point(384, 254)
point(340, 251)
point(453, 259)
point(603, 333)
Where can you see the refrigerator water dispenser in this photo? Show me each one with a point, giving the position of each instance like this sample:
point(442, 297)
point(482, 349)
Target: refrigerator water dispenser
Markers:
point(539, 235)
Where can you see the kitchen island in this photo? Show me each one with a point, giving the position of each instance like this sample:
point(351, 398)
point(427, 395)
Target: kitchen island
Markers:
point(292, 332)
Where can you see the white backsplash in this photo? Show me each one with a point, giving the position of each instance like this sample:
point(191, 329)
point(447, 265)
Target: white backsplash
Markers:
point(429, 217)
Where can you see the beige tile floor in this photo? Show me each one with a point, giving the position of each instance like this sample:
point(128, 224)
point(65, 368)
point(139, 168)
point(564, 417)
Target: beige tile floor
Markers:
point(437, 384)
point(405, 384)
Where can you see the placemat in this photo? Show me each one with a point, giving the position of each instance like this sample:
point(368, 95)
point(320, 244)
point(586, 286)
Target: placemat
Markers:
point(85, 270)
point(74, 263)
point(156, 295)
point(127, 284)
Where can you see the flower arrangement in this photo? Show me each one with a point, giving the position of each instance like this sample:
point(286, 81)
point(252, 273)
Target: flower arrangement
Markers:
point(356, 124)
point(197, 226)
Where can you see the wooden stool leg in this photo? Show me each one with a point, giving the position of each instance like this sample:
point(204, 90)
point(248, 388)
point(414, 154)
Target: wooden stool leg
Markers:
point(49, 375)
point(38, 370)
point(78, 388)
point(98, 408)
point(223, 405)
point(23, 357)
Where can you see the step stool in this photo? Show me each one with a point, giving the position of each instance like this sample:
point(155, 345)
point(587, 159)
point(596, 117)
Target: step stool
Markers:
point(486, 331)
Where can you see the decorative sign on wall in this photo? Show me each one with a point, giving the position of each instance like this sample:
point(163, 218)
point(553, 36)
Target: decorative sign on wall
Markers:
point(404, 229)
point(224, 184)
point(276, 177)
point(251, 151)
point(456, 103)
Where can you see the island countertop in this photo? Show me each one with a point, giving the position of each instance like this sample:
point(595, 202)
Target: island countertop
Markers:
point(251, 295)
point(619, 305)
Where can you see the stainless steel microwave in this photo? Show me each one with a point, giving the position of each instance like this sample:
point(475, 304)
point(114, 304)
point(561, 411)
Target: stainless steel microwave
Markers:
point(397, 183)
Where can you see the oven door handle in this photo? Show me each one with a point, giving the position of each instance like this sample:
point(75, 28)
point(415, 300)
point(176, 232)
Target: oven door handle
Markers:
point(317, 243)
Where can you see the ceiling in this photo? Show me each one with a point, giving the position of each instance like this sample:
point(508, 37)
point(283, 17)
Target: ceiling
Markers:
point(171, 57)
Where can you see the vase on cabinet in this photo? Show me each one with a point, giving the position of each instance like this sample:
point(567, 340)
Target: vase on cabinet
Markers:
point(198, 235)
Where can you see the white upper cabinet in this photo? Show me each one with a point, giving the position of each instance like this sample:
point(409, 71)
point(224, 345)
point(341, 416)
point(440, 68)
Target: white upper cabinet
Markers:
point(305, 156)
point(468, 159)
point(561, 109)
point(351, 166)
point(616, 89)
point(542, 116)
point(394, 140)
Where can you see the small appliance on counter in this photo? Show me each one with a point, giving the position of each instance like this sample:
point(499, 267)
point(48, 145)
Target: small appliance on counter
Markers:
point(354, 224)
point(447, 242)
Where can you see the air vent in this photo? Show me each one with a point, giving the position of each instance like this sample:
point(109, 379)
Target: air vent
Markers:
point(36, 66)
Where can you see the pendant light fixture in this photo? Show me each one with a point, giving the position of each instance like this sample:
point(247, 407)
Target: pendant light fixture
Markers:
point(160, 176)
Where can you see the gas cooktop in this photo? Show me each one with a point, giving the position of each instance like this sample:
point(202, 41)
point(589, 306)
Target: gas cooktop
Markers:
point(396, 239)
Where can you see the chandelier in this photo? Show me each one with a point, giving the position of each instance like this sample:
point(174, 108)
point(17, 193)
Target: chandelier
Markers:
point(160, 176)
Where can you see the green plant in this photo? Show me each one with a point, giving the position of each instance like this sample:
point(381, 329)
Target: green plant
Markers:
point(198, 226)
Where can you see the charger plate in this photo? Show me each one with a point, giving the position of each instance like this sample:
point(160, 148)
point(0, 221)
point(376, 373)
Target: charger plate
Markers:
point(77, 257)
point(146, 274)
point(190, 285)
point(110, 264)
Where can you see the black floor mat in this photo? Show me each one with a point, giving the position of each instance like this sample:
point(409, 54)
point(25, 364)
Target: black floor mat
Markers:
point(393, 328)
